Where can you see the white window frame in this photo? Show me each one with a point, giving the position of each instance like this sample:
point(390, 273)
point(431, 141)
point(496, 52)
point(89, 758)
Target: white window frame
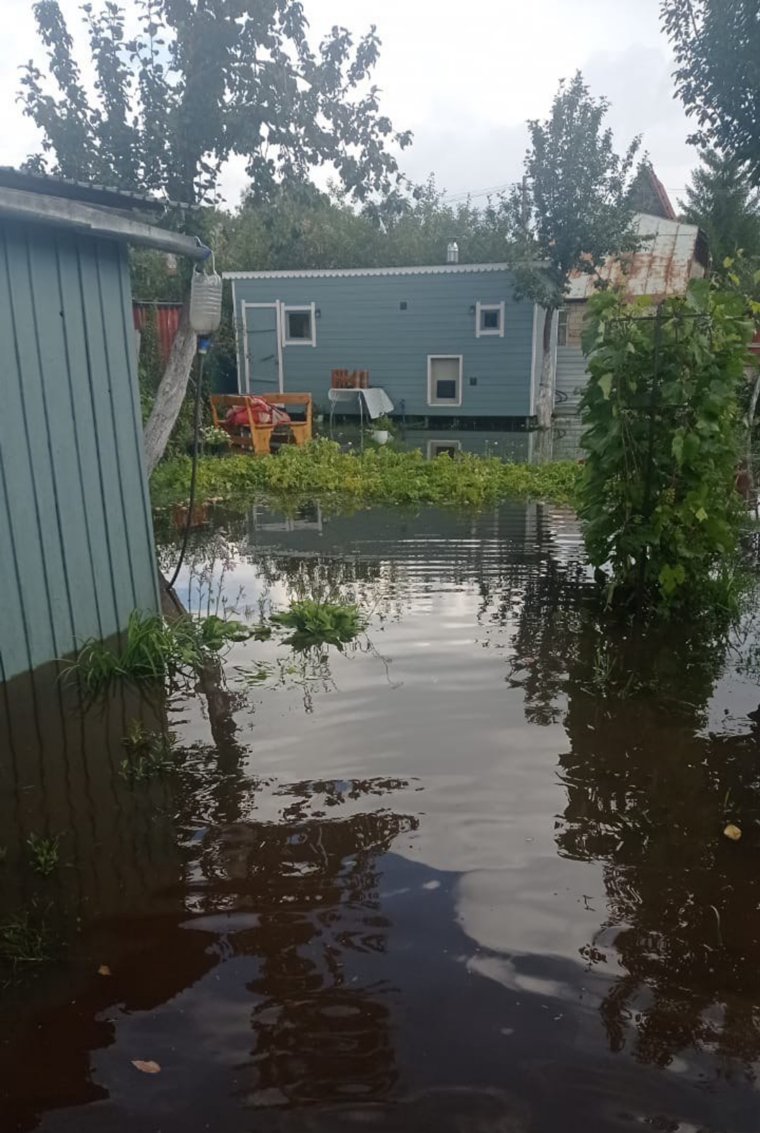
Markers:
point(435, 448)
point(486, 332)
point(434, 401)
point(293, 308)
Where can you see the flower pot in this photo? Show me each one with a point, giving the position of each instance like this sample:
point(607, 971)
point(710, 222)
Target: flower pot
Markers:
point(381, 436)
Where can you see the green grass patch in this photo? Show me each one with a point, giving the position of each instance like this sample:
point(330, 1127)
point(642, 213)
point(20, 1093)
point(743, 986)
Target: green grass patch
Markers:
point(154, 651)
point(24, 939)
point(317, 623)
point(377, 476)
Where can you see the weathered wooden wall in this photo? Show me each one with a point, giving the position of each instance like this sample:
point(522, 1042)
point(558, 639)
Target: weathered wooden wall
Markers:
point(76, 538)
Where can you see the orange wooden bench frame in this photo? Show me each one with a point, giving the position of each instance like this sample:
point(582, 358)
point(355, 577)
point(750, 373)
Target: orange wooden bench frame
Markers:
point(260, 436)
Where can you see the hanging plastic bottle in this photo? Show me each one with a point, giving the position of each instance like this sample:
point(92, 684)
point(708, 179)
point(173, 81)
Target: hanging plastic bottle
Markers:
point(205, 300)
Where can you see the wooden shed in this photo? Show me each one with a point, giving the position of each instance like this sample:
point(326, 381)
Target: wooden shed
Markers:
point(76, 538)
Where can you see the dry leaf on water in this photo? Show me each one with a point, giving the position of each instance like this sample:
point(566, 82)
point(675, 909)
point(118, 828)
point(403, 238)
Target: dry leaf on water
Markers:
point(732, 832)
point(104, 970)
point(146, 1067)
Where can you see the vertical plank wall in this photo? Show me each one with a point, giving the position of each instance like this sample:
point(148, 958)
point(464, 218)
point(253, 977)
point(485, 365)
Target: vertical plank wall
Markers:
point(76, 537)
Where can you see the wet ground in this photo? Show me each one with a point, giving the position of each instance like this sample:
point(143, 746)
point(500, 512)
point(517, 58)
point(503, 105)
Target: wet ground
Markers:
point(466, 874)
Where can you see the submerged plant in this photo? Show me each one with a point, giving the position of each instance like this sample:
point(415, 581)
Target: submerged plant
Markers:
point(315, 622)
point(378, 475)
point(149, 754)
point(24, 939)
point(43, 853)
point(155, 650)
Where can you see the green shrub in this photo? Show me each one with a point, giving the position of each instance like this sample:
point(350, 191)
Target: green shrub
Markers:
point(661, 416)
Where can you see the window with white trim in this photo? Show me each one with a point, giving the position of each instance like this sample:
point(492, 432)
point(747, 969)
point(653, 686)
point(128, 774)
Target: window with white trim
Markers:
point(299, 326)
point(562, 321)
point(444, 379)
point(489, 319)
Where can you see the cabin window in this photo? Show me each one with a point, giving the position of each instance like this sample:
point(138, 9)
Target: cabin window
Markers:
point(298, 326)
point(489, 319)
point(444, 379)
point(562, 327)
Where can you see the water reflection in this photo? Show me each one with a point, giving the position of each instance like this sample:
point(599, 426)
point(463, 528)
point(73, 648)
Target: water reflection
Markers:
point(466, 874)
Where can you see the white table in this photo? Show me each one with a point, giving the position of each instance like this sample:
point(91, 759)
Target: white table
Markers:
point(375, 400)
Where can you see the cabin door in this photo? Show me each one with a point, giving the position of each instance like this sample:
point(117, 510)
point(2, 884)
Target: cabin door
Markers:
point(263, 348)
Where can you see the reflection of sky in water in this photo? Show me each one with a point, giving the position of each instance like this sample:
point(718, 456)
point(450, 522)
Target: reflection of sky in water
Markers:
point(461, 873)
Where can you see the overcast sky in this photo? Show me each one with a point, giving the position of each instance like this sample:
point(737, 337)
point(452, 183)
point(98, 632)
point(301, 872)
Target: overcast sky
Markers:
point(464, 78)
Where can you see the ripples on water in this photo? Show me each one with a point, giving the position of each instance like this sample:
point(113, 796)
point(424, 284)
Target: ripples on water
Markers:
point(466, 874)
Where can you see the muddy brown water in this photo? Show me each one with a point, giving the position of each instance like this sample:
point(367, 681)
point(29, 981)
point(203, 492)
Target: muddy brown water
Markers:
point(466, 874)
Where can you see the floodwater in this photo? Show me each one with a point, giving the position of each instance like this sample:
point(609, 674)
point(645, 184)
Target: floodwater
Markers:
point(466, 874)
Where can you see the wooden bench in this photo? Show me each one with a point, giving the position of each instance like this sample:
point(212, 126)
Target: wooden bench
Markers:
point(258, 437)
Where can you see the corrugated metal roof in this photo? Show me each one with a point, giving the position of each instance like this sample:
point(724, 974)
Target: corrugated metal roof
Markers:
point(338, 273)
point(670, 257)
point(70, 189)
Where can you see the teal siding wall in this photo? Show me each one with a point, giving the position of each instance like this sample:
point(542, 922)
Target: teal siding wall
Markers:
point(362, 326)
point(76, 537)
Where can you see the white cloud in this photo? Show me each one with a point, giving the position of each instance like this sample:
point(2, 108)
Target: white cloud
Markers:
point(464, 79)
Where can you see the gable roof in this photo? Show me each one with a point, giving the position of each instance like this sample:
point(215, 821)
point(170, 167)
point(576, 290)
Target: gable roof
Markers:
point(672, 253)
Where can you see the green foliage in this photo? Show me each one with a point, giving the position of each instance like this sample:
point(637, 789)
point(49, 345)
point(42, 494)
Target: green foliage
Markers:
point(379, 475)
point(716, 44)
point(200, 83)
point(24, 939)
point(721, 200)
point(661, 420)
point(155, 650)
point(317, 622)
point(574, 210)
point(43, 853)
point(150, 755)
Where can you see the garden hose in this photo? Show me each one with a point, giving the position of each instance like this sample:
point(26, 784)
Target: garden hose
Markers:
point(203, 345)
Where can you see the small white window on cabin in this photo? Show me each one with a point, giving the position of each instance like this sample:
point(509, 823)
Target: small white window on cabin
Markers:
point(298, 326)
point(444, 379)
point(489, 319)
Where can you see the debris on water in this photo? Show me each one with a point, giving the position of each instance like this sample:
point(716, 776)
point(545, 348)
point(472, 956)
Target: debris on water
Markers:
point(148, 1067)
point(732, 832)
point(104, 970)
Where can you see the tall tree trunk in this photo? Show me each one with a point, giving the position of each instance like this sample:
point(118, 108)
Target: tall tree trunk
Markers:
point(545, 399)
point(170, 393)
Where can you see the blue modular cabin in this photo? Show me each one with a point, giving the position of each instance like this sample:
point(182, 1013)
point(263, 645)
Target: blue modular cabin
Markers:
point(442, 341)
point(76, 538)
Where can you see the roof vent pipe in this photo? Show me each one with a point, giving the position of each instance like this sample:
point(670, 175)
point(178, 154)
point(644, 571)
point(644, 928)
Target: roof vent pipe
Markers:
point(452, 252)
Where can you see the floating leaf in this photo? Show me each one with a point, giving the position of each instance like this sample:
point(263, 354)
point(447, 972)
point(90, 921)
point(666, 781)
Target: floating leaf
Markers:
point(732, 832)
point(104, 970)
point(146, 1067)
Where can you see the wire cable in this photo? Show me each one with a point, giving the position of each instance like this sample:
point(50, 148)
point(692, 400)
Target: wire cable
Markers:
point(194, 472)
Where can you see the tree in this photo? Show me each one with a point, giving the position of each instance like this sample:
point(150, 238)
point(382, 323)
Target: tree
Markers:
point(200, 82)
point(721, 200)
point(574, 210)
point(717, 50)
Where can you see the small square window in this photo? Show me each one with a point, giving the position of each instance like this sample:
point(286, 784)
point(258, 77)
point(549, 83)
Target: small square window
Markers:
point(298, 326)
point(489, 319)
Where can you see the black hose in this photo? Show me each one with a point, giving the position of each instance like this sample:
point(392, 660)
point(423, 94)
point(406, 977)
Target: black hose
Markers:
point(194, 472)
